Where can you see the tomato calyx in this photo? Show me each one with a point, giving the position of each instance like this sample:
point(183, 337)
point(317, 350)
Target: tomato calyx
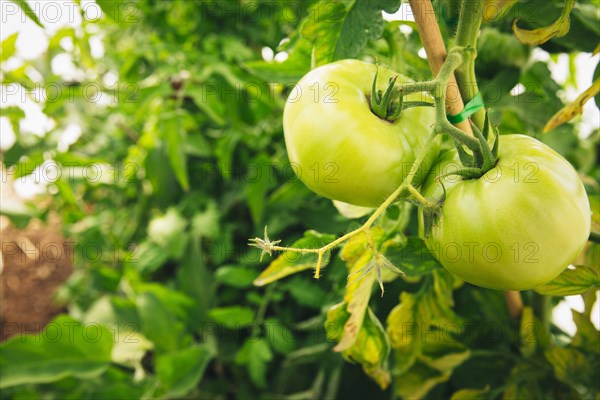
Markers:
point(386, 105)
point(477, 164)
point(389, 105)
point(474, 166)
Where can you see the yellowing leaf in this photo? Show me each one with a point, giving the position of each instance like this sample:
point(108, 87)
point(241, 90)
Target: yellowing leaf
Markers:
point(357, 298)
point(357, 255)
point(571, 282)
point(470, 394)
point(371, 347)
point(569, 364)
point(559, 28)
point(401, 317)
point(527, 334)
point(357, 245)
point(587, 337)
point(433, 366)
point(573, 109)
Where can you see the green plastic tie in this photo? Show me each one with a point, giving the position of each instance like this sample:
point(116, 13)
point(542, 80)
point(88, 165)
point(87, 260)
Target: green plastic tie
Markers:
point(471, 107)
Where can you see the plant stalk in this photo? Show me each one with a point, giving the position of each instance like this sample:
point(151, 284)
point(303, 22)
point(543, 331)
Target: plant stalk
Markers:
point(541, 309)
point(471, 14)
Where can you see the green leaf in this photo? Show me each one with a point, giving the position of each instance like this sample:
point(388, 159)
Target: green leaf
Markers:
point(65, 347)
point(238, 277)
point(257, 187)
point(570, 282)
point(197, 281)
point(168, 232)
point(412, 257)
point(113, 9)
point(290, 262)
point(130, 348)
point(65, 191)
point(19, 75)
point(364, 22)
point(180, 371)
point(340, 31)
point(403, 49)
point(197, 145)
point(120, 315)
point(233, 317)
point(286, 72)
point(255, 354)
point(306, 291)
point(224, 152)
point(24, 6)
point(15, 115)
point(559, 28)
point(175, 137)
point(496, 48)
point(147, 258)
point(201, 94)
point(109, 310)
point(205, 224)
point(9, 47)
point(323, 29)
point(158, 323)
point(177, 303)
point(280, 336)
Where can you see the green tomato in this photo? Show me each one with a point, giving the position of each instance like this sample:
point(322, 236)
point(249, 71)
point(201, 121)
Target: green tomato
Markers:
point(515, 228)
point(339, 148)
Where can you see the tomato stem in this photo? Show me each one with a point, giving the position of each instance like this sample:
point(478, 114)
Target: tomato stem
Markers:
point(541, 308)
point(417, 196)
point(453, 61)
point(269, 246)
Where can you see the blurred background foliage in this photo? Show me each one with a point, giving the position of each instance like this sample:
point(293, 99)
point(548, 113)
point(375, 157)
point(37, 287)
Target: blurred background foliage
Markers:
point(188, 146)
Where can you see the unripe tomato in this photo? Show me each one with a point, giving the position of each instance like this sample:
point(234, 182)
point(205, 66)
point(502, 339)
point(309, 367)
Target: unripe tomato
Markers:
point(339, 148)
point(518, 226)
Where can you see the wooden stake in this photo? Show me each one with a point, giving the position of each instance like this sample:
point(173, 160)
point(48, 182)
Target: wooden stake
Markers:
point(431, 37)
point(514, 302)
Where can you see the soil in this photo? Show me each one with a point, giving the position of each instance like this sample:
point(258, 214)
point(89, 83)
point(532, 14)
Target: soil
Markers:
point(35, 261)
